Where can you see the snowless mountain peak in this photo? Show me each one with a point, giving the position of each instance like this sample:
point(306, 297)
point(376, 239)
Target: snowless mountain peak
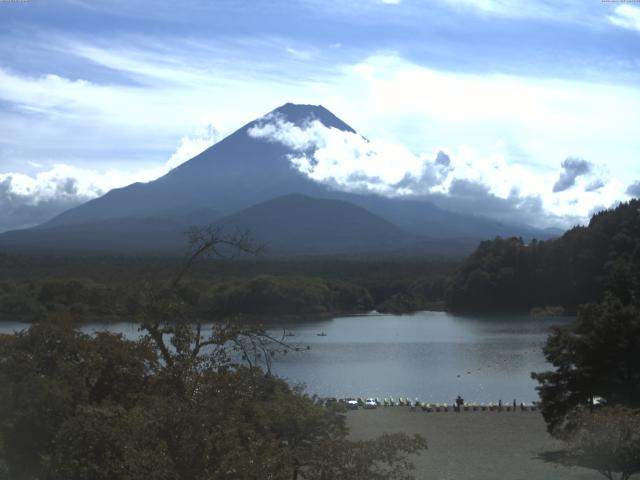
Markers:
point(299, 114)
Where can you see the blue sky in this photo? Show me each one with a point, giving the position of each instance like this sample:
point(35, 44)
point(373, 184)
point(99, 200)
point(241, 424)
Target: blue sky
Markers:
point(536, 103)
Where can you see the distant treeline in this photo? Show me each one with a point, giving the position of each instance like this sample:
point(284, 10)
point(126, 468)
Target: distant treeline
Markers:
point(579, 267)
point(505, 274)
point(110, 288)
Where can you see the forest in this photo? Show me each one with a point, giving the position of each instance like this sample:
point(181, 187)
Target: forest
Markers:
point(108, 288)
point(504, 274)
point(507, 274)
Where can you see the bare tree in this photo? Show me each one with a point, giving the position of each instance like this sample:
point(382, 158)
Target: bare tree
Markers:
point(178, 336)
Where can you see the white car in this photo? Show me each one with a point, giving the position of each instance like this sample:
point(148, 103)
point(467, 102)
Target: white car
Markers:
point(352, 403)
point(370, 403)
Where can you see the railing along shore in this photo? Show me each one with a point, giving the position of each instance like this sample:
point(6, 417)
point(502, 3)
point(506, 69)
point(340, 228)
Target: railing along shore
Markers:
point(417, 405)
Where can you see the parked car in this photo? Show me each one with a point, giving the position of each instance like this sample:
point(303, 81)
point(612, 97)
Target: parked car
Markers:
point(370, 403)
point(352, 404)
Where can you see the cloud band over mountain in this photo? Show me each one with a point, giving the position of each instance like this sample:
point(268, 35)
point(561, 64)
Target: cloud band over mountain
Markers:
point(460, 182)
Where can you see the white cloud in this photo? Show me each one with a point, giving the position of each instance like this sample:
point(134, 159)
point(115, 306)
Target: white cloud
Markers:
point(190, 146)
point(556, 10)
point(301, 54)
point(352, 162)
point(547, 119)
point(27, 200)
point(77, 116)
point(455, 11)
point(626, 16)
point(93, 182)
point(162, 89)
point(465, 179)
point(492, 6)
point(345, 159)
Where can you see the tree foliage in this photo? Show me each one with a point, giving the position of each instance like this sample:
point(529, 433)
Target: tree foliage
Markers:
point(107, 289)
point(596, 356)
point(579, 267)
point(176, 404)
point(272, 295)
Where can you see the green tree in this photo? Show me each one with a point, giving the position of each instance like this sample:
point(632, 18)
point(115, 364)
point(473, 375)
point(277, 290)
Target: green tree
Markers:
point(174, 405)
point(579, 267)
point(50, 372)
point(597, 356)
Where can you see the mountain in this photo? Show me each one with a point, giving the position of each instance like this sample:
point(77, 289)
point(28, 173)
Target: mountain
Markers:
point(290, 225)
point(127, 236)
point(235, 173)
point(298, 224)
point(249, 183)
point(424, 218)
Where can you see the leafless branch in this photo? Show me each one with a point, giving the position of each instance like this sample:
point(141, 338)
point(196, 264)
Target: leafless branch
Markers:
point(205, 241)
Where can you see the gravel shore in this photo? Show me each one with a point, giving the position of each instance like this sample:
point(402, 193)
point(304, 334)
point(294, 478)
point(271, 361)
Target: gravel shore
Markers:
point(472, 445)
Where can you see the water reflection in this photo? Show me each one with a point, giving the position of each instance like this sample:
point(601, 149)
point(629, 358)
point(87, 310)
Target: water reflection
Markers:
point(430, 355)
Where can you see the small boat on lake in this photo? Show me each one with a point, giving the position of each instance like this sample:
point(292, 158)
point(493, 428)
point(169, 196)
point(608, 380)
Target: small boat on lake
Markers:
point(321, 334)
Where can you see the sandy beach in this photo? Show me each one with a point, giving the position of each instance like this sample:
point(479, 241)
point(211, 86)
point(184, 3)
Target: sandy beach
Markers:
point(472, 445)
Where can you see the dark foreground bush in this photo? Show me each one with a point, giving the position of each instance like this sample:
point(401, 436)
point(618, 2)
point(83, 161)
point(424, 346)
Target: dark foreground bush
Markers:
point(74, 406)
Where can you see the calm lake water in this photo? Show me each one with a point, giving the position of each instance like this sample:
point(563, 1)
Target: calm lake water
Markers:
point(430, 355)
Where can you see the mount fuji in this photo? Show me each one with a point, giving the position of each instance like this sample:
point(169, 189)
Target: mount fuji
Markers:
point(248, 182)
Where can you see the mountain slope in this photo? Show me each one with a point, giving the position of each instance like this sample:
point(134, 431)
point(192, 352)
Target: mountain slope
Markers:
point(125, 236)
point(298, 224)
point(292, 224)
point(237, 173)
point(421, 217)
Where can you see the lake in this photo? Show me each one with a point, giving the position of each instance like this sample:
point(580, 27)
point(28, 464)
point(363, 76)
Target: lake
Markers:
point(433, 356)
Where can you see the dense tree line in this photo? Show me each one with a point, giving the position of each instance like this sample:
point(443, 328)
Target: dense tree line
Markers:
point(102, 288)
point(265, 295)
point(423, 294)
point(591, 398)
point(579, 267)
point(269, 295)
point(382, 277)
